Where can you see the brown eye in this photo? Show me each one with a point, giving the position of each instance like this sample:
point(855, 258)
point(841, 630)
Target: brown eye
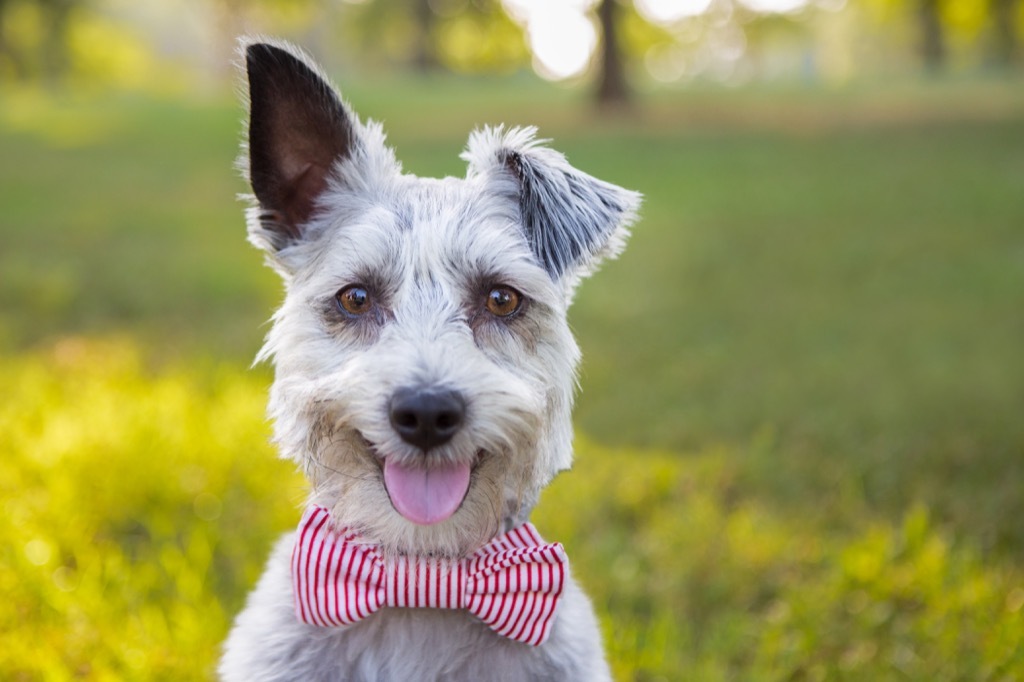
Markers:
point(503, 301)
point(354, 300)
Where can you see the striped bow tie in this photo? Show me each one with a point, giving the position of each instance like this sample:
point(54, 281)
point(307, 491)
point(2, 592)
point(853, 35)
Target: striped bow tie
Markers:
point(512, 583)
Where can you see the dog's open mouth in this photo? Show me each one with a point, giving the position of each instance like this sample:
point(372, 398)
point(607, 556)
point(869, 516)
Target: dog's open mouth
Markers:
point(426, 495)
point(421, 493)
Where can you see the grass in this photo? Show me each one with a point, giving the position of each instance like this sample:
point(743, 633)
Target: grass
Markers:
point(139, 507)
point(804, 376)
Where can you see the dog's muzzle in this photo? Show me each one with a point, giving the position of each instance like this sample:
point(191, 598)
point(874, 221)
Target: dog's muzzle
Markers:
point(426, 492)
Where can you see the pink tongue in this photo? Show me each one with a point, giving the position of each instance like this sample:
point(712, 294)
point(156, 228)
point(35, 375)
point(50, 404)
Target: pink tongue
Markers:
point(426, 495)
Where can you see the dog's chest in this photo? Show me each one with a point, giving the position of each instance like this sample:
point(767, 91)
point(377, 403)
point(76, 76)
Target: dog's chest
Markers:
point(422, 644)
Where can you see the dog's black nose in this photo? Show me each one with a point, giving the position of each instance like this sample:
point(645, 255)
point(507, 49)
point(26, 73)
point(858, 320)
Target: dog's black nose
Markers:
point(427, 418)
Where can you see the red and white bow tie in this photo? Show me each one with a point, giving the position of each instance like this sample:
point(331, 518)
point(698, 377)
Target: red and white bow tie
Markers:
point(512, 583)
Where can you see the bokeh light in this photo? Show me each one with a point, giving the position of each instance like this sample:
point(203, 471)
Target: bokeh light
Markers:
point(669, 11)
point(561, 35)
point(774, 6)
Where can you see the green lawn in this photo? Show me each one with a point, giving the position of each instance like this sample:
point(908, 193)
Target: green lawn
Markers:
point(801, 394)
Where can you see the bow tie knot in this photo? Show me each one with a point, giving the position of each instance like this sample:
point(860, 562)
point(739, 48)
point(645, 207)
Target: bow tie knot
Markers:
point(512, 583)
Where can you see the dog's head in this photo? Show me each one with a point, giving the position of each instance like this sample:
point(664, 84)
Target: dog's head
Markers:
point(424, 367)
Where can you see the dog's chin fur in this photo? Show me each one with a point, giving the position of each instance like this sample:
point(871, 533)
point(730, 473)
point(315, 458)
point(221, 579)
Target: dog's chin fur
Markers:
point(334, 210)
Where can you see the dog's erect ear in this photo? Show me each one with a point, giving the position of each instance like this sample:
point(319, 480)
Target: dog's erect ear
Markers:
point(298, 128)
point(572, 220)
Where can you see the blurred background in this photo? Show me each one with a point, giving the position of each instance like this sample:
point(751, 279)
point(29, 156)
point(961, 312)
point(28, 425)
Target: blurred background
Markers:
point(801, 425)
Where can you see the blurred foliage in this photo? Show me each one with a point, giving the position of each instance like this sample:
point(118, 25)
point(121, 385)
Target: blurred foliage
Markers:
point(69, 42)
point(140, 505)
point(465, 36)
point(112, 42)
point(133, 501)
point(699, 582)
point(943, 30)
point(104, 52)
point(483, 40)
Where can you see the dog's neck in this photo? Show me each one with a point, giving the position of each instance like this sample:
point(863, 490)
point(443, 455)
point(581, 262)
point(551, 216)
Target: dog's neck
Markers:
point(518, 512)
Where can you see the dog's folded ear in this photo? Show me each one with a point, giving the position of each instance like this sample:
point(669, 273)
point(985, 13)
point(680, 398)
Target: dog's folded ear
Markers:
point(299, 130)
point(572, 220)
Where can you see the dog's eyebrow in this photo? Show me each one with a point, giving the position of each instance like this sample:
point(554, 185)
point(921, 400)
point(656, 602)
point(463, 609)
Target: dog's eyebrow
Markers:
point(383, 282)
point(529, 280)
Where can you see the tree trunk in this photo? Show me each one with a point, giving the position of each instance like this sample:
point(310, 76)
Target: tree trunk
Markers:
point(13, 57)
point(1005, 38)
point(55, 43)
point(612, 89)
point(425, 56)
point(933, 44)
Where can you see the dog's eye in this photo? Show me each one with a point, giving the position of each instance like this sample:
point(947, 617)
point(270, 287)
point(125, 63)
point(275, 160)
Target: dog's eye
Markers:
point(503, 301)
point(354, 300)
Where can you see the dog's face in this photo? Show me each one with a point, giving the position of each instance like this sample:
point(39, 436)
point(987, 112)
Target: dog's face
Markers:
point(424, 367)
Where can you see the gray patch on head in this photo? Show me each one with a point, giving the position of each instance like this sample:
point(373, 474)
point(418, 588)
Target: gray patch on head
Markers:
point(571, 220)
point(568, 216)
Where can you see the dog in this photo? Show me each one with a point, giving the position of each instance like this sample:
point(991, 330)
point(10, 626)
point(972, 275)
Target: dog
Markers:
point(424, 380)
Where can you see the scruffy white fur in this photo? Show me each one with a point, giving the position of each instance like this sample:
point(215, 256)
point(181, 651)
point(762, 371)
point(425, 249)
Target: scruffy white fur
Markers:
point(429, 249)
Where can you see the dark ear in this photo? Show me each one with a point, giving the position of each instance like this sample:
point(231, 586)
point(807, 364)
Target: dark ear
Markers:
point(298, 128)
point(572, 220)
